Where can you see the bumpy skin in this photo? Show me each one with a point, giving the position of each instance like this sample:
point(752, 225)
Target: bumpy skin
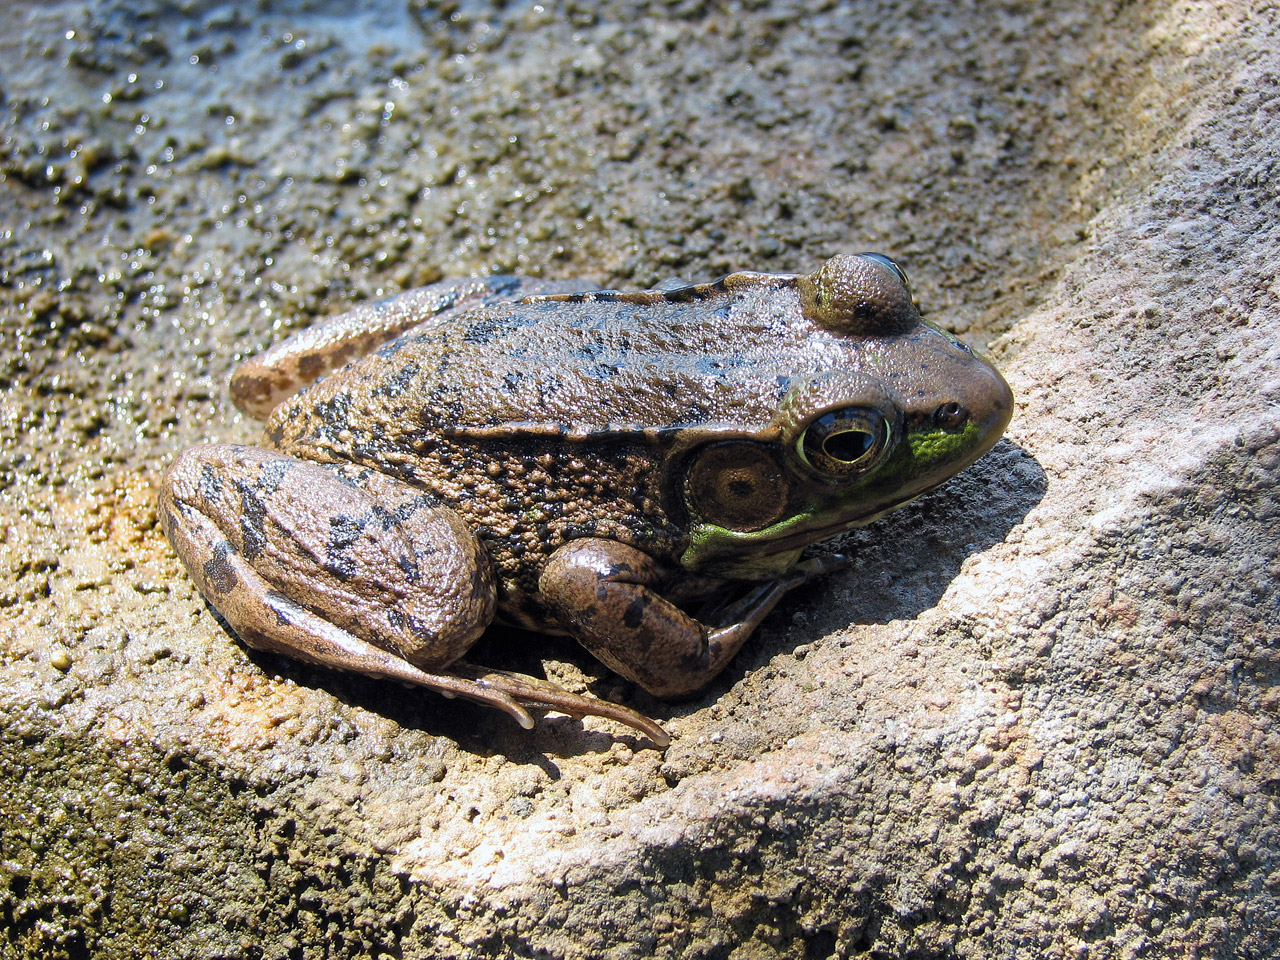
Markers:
point(587, 463)
point(366, 554)
point(263, 382)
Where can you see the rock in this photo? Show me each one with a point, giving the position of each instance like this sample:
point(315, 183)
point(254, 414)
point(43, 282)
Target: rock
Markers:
point(1039, 718)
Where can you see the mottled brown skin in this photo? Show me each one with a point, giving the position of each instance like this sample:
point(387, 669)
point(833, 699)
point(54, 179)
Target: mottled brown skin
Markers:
point(583, 463)
point(263, 382)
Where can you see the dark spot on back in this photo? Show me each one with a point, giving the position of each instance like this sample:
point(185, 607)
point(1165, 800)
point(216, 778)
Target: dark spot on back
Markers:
point(717, 366)
point(272, 475)
point(210, 482)
point(398, 382)
point(694, 413)
point(219, 571)
point(253, 513)
point(504, 285)
point(391, 348)
point(310, 366)
point(344, 532)
point(333, 411)
point(633, 616)
point(409, 567)
point(276, 433)
point(482, 330)
point(602, 371)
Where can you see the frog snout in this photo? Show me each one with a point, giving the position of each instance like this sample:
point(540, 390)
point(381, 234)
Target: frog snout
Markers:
point(1002, 402)
point(989, 402)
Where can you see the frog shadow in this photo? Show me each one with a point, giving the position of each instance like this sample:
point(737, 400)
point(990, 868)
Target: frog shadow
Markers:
point(475, 728)
point(904, 562)
point(902, 566)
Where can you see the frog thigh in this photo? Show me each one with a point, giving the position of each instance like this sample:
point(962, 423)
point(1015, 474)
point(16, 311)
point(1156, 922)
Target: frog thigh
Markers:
point(329, 563)
point(264, 381)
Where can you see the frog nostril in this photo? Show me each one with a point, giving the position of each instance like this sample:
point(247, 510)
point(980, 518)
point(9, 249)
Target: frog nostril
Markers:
point(950, 415)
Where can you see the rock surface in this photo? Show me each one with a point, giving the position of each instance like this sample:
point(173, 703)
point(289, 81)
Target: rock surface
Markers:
point(1040, 718)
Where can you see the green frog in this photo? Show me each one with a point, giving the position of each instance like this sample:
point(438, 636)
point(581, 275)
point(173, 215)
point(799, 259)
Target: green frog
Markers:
point(642, 471)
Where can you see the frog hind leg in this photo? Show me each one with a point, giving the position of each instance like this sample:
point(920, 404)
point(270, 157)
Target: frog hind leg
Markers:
point(348, 569)
point(264, 381)
point(606, 595)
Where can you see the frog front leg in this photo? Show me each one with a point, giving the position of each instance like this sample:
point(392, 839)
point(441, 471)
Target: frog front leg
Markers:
point(605, 593)
point(350, 569)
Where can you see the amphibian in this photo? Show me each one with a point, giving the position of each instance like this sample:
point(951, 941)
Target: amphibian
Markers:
point(641, 471)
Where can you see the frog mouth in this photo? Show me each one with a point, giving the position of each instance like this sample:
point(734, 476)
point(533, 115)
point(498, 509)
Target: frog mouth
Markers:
point(751, 557)
point(806, 535)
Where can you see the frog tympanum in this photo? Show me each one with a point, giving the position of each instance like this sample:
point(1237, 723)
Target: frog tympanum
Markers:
point(641, 471)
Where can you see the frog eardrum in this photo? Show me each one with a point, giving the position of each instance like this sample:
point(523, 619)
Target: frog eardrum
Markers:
point(739, 485)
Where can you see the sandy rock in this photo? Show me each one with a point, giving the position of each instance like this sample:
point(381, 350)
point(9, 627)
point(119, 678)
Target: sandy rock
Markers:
point(1039, 718)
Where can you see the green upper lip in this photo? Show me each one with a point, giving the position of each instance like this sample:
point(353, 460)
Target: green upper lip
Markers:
point(804, 534)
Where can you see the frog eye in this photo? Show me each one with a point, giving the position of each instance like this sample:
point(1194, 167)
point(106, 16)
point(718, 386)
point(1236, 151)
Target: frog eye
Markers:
point(737, 485)
point(892, 264)
point(844, 442)
point(858, 296)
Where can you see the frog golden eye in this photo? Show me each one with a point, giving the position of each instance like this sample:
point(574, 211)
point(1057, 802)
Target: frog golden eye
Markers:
point(737, 485)
point(844, 442)
point(950, 415)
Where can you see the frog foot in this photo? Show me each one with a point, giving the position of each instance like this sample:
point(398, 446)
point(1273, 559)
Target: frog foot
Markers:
point(523, 691)
point(512, 693)
point(607, 595)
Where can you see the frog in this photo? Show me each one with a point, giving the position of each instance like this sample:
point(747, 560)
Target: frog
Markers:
point(648, 472)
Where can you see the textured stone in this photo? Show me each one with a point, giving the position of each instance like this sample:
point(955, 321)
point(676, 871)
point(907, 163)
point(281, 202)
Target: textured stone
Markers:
point(1039, 718)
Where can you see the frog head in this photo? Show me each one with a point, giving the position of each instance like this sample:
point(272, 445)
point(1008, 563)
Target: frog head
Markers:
point(889, 408)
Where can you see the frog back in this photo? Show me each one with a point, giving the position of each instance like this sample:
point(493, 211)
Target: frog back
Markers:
point(574, 367)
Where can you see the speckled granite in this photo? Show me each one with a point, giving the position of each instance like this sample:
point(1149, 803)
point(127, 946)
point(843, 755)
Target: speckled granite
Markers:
point(1039, 718)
